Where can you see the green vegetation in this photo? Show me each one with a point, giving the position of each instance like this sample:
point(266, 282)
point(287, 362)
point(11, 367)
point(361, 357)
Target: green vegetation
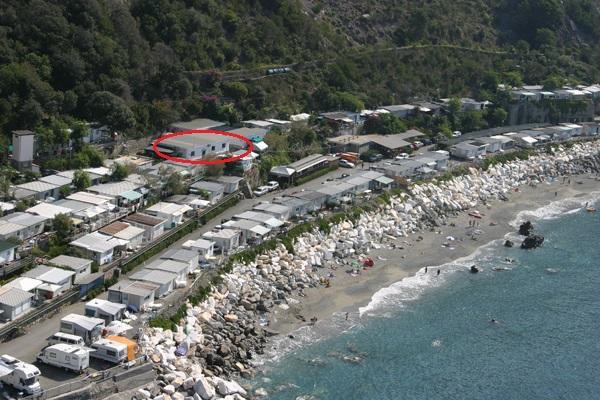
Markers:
point(81, 180)
point(504, 158)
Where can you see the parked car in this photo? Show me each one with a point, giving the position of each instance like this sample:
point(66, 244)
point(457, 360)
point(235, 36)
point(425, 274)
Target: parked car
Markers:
point(403, 156)
point(375, 158)
point(346, 164)
point(261, 191)
point(344, 175)
point(456, 134)
point(427, 142)
point(272, 185)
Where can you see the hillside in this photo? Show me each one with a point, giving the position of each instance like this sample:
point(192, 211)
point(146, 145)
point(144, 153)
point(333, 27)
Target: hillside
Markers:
point(128, 63)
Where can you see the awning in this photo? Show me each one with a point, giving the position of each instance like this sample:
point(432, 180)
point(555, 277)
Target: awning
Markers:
point(131, 195)
point(384, 180)
point(48, 287)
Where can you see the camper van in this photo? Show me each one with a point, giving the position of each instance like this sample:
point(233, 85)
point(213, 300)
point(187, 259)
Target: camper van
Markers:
point(66, 338)
point(21, 376)
point(65, 356)
point(109, 350)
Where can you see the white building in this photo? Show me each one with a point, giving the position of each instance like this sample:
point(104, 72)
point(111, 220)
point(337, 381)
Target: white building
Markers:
point(99, 247)
point(56, 280)
point(251, 231)
point(153, 227)
point(124, 231)
point(21, 225)
point(171, 212)
point(48, 210)
point(179, 268)
point(196, 146)
point(188, 257)
point(225, 240)
point(135, 295)
point(266, 219)
point(106, 310)
point(204, 248)
point(164, 280)
point(278, 211)
point(81, 266)
point(468, 150)
point(23, 142)
point(13, 303)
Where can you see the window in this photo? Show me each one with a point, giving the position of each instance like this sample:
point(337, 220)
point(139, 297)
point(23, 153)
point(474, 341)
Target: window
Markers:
point(193, 153)
point(67, 358)
point(203, 152)
point(213, 148)
point(66, 325)
point(52, 355)
point(111, 353)
point(223, 145)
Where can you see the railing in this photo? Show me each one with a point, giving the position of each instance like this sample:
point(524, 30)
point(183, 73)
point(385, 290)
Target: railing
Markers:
point(44, 311)
point(92, 378)
point(16, 265)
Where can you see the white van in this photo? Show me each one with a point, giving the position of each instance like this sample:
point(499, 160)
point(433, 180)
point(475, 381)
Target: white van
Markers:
point(109, 350)
point(65, 356)
point(66, 338)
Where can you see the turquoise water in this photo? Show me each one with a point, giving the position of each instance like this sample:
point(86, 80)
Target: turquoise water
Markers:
point(442, 345)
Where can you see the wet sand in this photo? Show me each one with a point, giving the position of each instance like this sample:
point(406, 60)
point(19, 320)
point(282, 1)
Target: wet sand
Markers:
point(347, 293)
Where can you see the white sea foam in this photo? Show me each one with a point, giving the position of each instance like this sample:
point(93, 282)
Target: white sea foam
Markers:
point(556, 209)
point(411, 288)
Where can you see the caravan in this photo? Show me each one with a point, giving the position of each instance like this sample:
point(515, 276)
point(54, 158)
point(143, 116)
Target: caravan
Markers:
point(65, 356)
point(20, 375)
point(109, 350)
point(60, 337)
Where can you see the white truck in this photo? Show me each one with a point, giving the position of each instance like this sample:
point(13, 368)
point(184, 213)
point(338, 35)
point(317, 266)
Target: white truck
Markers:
point(65, 356)
point(20, 375)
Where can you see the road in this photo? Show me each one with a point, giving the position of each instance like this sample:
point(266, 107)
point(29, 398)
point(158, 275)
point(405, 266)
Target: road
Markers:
point(26, 347)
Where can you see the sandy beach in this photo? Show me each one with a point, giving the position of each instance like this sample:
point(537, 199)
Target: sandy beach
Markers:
point(347, 293)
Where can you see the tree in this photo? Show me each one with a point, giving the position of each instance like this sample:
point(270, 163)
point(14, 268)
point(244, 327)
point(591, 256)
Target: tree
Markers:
point(63, 226)
point(111, 110)
point(213, 170)
point(552, 82)
point(81, 180)
point(64, 191)
point(79, 130)
point(4, 187)
point(175, 184)
point(384, 124)
point(95, 156)
point(496, 116)
point(119, 172)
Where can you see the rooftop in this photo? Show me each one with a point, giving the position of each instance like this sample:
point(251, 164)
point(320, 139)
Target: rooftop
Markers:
point(74, 263)
point(250, 133)
point(210, 186)
point(179, 255)
point(264, 218)
point(106, 306)
point(48, 210)
point(37, 186)
point(169, 208)
point(73, 205)
point(129, 233)
point(87, 323)
point(49, 274)
point(153, 276)
point(257, 122)
point(97, 242)
point(13, 296)
point(90, 198)
point(172, 266)
point(23, 219)
point(199, 244)
point(142, 289)
point(113, 228)
point(24, 283)
point(114, 189)
point(221, 234)
point(56, 180)
point(270, 207)
point(198, 123)
point(144, 219)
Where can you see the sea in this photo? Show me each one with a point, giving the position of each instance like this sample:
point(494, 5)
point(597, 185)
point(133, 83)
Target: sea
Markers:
point(527, 326)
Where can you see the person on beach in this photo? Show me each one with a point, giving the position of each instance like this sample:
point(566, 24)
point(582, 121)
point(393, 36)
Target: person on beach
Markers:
point(347, 316)
point(425, 269)
point(438, 272)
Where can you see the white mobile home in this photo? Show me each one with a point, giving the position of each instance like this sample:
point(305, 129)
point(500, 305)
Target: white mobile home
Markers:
point(182, 255)
point(279, 211)
point(109, 350)
point(56, 280)
point(154, 227)
point(225, 240)
point(99, 247)
point(468, 150)
point(171, 212)
point(65, 356)
point(179, 268)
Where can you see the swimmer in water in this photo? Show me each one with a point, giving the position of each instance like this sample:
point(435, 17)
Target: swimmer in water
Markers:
point(493, 321)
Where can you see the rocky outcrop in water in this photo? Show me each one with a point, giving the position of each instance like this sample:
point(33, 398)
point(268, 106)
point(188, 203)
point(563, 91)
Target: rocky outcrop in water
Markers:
point(532, 241)
point(508, 243)
point(525, 228)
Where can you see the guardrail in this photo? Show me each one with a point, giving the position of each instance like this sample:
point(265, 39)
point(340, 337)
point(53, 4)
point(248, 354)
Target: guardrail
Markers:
point(111, 374)
point(44, 311)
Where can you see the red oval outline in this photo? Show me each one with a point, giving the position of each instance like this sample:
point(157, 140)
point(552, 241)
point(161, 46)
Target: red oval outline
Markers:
point(202, 162)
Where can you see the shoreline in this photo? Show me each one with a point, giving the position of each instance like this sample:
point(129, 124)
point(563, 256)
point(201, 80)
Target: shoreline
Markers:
point(351, 293)
point(427, 227)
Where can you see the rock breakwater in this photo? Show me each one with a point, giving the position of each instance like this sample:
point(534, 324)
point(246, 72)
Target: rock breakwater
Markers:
point(218, 338)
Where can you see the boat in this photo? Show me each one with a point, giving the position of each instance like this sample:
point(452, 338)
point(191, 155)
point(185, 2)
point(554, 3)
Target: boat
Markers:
point(497, 269)
point(590, 209)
